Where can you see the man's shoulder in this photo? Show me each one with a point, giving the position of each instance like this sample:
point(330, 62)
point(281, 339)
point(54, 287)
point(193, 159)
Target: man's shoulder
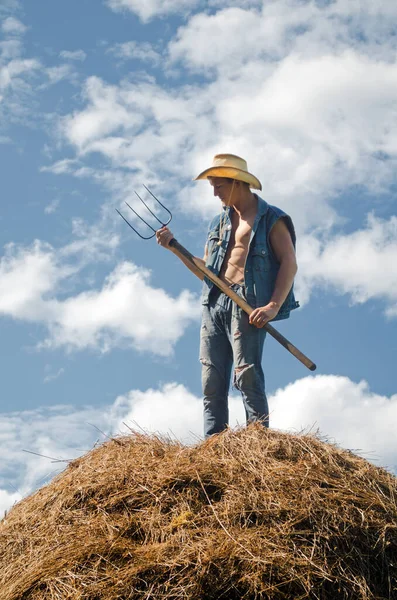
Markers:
point(269, 211)
point(273, 214)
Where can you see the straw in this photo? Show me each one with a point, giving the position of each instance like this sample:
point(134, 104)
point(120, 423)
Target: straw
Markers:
point(247, 514)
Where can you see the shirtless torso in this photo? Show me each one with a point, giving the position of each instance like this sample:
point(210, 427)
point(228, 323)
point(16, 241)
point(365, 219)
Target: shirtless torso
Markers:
point(236, 254)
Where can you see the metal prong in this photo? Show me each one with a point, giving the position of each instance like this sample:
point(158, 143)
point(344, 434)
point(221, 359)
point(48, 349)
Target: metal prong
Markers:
point(133, 228)
point(161, 204)
point(139, 217)
point(151, 212)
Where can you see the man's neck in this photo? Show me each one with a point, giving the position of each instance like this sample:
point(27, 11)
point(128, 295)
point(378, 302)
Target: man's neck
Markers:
point(246, 204)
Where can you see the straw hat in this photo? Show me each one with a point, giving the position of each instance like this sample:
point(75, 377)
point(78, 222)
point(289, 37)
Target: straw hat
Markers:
point(232, 166)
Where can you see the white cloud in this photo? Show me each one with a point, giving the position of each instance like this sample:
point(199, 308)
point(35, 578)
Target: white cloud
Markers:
point(89, 243)
point(73, 55)
point(126, 311)
point(278, 28)
point(230, 47)
point(61, 432)
point(107, 113)
point(16, 82)
point(60, 167)
point(10, 49)
point(308, 97)
point(133, 50)
point(13, 26)
point(269, 101)
point(58, 73)
point(52, 206)
point(7, 500)
point(346, 412)
point(11, 72)
point(27, 275)
point(171, 410)
point(149, 9)
point(325, 133)
point(354, 264)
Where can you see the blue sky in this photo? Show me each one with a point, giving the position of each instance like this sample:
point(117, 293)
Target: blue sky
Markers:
point(99, 328)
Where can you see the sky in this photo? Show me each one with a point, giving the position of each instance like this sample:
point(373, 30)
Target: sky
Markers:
point(100, 329)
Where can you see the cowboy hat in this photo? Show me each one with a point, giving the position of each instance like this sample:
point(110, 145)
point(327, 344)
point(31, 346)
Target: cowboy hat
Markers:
point(233, 167)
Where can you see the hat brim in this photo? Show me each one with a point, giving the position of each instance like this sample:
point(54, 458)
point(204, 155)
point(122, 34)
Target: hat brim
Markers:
point(232, 173)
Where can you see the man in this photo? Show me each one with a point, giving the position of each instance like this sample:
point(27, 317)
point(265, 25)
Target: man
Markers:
point(250, 246)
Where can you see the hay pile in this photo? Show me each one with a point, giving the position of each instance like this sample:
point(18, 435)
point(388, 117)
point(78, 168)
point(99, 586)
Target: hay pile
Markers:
point(247, 514)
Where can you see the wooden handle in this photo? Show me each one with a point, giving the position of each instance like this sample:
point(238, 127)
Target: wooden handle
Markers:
point(199, 269)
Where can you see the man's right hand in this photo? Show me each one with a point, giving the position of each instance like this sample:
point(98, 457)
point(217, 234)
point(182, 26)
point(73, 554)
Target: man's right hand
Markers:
point(164, 236)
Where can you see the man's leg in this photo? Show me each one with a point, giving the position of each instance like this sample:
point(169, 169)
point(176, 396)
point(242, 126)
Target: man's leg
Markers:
point(216, 359)
point(247, 341)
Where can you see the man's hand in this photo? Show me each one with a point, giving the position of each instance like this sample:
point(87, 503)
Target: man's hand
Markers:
point(261, 315)
point(164, 236)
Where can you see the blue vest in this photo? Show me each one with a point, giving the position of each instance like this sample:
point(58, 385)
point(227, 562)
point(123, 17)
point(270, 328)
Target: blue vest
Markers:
point(261, 267)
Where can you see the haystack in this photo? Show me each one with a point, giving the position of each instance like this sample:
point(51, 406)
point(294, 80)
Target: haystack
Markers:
point(247, 514)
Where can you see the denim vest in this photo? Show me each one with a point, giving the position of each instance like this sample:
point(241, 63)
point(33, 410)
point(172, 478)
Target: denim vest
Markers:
point(261, 267)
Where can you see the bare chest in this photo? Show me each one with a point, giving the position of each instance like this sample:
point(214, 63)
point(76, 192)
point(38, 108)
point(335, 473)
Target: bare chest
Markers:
point(233, 265)
point(241, 232)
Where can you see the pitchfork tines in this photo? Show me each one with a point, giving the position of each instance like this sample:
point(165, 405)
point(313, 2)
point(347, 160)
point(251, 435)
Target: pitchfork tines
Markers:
point(151, 212)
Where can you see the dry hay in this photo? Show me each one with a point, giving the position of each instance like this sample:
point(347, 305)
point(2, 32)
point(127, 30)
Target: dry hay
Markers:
point(247, 514)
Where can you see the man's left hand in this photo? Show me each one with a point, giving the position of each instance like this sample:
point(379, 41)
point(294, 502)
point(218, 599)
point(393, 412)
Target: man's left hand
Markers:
point(261, 315)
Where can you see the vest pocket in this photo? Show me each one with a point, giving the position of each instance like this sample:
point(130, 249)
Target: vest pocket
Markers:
point(261, 259)
point(212, 241)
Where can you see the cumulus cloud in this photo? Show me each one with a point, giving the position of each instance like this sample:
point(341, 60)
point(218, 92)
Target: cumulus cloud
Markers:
point(344, 411)
point(107, 113)
point(61, 433)
point(347, 412)
point(7, 500)
point(307, 136)
point(13, 26)
point(125, 311)
point(278, 28)
point(153, 8)
point(316, 134)
point(226, 29)
point(27, 275)
point(326, 133)
point(171, 410)
point(353, 264)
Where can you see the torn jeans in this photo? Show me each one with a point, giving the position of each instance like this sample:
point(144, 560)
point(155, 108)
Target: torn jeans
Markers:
point(227, 338)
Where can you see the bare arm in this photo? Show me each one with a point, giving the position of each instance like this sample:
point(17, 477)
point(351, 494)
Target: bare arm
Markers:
point(284, 251)
point(164, 236)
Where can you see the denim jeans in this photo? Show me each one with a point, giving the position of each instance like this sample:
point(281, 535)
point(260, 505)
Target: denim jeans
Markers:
point(227, 338)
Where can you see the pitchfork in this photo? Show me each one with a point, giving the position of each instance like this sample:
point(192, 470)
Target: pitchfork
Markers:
point(202, 271)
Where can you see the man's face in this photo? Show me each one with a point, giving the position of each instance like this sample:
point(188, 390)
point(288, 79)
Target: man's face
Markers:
point(222, 188)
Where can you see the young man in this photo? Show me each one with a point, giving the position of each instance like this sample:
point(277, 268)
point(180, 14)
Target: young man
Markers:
point(251, 246)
